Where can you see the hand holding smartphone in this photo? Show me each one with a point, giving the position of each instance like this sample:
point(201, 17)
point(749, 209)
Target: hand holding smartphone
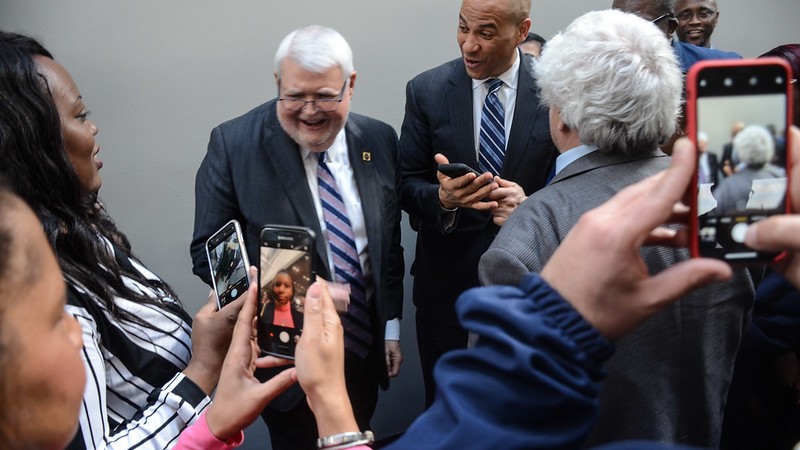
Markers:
point(228, 263)
point(284, 276)
point(738, 115)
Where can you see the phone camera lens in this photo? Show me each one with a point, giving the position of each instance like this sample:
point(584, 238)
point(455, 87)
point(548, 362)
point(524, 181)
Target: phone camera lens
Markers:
point(779, 80)
point(703, 83)
point(728, 82)
point(753, 81)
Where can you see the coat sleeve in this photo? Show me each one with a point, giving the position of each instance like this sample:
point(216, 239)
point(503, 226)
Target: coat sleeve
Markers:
point(536, 359)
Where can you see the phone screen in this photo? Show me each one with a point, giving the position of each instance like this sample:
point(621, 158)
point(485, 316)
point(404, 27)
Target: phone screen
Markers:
point(284, 278)
point(741, 126)
point(228, 262)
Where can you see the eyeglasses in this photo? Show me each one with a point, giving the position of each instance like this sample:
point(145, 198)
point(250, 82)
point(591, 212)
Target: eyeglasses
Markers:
point(662, 17)
point(320, 104)
point(703, 14)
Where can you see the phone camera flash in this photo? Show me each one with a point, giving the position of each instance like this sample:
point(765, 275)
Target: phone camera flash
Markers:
point(728, 82)
point(753, 81)
point(778, 80)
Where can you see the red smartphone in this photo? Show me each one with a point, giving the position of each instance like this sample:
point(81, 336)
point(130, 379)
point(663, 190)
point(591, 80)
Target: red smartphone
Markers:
point(738, 116)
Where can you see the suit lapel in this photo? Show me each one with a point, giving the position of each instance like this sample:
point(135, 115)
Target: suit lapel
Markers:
point(284, 153)
point(525, 117)
point(366, 175)
point(459, 106)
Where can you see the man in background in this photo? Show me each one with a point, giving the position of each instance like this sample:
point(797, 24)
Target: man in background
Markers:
point(533, 45)
point(480, 109)
point(696, 21)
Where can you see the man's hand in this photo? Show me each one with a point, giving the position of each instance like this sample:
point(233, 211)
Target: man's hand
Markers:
point(508, 196)
point(394, 357)
point(466, 191)
point(615, 292)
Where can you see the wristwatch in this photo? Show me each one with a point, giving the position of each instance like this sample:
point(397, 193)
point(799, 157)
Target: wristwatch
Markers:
point(345, 440)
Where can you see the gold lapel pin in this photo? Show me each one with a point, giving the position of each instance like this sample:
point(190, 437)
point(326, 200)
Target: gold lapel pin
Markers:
point(366, 156)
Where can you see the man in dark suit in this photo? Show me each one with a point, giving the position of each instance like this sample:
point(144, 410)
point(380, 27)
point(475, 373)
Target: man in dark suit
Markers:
point(271, 165)
point(707, 163)
point(457, 218)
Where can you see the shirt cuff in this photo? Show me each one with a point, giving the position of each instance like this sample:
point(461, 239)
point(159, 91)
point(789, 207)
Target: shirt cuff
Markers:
point(199, 436)
point(392, 330)
point(448, 218)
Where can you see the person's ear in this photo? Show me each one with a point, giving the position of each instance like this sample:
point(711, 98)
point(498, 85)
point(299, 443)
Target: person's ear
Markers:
point(672, 25)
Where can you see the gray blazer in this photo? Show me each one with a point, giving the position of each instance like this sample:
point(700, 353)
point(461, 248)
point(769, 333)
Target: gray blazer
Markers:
point(668, 380)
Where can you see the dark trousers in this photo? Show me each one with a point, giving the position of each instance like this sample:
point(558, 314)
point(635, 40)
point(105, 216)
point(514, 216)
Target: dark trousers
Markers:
point(434, 339)
point(296, 429)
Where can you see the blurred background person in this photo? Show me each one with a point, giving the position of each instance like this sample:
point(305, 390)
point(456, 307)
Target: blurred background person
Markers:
point(696, 21)
point(755, 147)
point(533, 45)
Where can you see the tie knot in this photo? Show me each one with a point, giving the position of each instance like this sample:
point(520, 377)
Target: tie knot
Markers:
point(494, 84)
point(321, 157)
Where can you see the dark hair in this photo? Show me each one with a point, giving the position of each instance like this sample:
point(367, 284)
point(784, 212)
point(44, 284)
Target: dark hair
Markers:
point(33, 158)
point(533, 37)
point(789, 52)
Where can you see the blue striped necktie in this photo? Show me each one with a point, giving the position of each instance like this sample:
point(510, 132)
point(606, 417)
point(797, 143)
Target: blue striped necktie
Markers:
point(347, 268)
point(493, 136)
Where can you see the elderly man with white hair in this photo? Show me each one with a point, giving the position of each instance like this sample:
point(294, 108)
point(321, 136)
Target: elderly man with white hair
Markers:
point(756, 149)
point(613, 86)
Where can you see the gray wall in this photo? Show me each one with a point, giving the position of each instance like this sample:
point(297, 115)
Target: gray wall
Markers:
point(159, 75)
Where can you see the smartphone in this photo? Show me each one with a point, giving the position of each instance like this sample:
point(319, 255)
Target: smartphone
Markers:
point(455, 170)
point(228, 263)
point(738, 115)
point(284, 275)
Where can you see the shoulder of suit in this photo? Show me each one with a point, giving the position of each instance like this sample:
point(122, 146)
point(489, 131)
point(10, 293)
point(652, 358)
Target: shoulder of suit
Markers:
point(365, 123)
point(264, 112)
point(441, 73)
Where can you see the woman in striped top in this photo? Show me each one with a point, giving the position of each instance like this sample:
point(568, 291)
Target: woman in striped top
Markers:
point(144, 383)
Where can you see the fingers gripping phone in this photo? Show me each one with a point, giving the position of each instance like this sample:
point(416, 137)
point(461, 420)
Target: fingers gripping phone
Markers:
point(284, 276)
point(455, 170)
point(738, 115)
point(228, 263)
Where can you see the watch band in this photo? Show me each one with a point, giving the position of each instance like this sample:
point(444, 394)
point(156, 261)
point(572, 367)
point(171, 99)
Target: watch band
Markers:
point(345, 440)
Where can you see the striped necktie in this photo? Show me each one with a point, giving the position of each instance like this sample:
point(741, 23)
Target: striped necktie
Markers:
point(347, 268)
point(493, 135)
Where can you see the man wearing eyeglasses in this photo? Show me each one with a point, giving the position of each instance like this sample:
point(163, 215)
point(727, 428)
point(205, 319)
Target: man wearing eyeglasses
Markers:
point(696, 21)
point(662, 14)
point(304, 159)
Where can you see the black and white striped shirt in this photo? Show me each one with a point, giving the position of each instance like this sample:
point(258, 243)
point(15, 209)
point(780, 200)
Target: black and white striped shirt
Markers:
point(136, 396)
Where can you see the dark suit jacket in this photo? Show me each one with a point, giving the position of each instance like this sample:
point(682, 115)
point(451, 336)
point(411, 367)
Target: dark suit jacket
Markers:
point(438, 119)
point(253, 172)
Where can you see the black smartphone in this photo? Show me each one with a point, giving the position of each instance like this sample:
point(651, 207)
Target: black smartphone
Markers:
point(738, 115)
point(455, 170)
point(284, 275)
point(228, 263)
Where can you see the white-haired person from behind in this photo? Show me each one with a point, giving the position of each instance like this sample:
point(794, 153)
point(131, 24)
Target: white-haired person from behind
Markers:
point(755, 147)
point(613, 85)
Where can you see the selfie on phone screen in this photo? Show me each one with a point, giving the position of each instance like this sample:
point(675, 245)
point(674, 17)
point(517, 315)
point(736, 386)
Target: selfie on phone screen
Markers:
point(284, 278)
